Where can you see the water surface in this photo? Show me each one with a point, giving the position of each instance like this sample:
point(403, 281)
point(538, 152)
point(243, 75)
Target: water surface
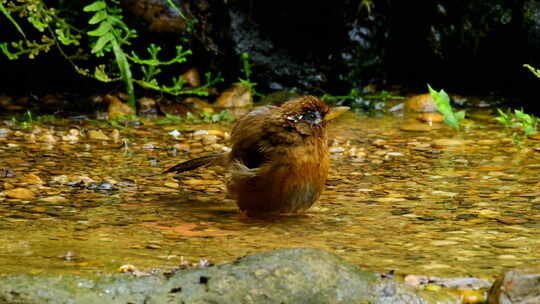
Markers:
point(437, 202)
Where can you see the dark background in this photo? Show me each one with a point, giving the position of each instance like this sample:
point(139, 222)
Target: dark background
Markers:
point(466, 47)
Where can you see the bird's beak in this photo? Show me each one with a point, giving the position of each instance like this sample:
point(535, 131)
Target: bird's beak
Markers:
point(335, 112)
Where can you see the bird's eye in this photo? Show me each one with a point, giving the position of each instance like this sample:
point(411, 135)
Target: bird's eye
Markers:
point(313, 117)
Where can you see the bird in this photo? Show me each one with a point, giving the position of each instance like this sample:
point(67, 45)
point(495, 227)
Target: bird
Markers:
point(279, 158)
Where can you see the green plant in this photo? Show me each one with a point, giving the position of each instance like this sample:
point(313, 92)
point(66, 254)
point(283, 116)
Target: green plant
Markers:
point(111, 33)
point(518, 124)
point(526, 122)
point(150, 69)
point(519, 120)
point(442, 101)
point(505, 118)
point(108, 39)
point(536, 72)
point(178, 11)
point(26, 120)
point(51, 24)
point(8, 15)
point(247, 73)
point(367, 4)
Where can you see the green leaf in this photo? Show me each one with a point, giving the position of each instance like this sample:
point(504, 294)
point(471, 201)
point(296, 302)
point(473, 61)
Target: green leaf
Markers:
point(528, 130)
point(103, 28)
point(247, 66)
point(101, 75)
point(178, 11)
point(501, 120)
point(125, 72)
point(8, 15)
point(95, 6)
point(102, 41)
point(66, 39)
point(536, 72)
point(36, 22)
point(460, 115)
point(98, 17)
point(442, 101)
point(9, 55)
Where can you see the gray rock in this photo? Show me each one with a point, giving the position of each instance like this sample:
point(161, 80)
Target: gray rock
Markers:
point(281, 276)
point(520, 285)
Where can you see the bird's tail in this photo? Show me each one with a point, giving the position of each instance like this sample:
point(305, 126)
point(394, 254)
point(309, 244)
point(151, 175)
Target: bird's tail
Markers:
point(213, 159)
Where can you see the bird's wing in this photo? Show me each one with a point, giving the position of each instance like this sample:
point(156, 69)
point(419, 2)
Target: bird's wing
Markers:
point(213, 159)
point(250, 137)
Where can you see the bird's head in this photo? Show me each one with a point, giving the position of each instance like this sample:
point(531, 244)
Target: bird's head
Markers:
point(305, 115)
point(308, 115)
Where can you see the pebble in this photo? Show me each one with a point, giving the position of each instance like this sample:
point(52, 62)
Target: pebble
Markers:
point(181, 147)
point(47, 137)
point(393, 154)
point(31, 178)
point(507, 257)
point(380, 143)
point(336, 150)
point(435, 266)
point(115, 135)
point(4, 132)
point(471, 296)
point(421, 103)
point(175, 133)
point(201, 182)
point(535, 136)
point(209, 139)
point(171, 184)
point(447, 142)
point(117, 108)
point(97, 135)
point(416, 127)
point(146, 105)
point(99, 186)
point(236, 96)
point(444, 243)
point(487, 142)
point(199, 104)
point(56, 199)
point(192, 77)
point(199, 133)
point(74, 132)
point(20, 193)
point(60, 179)
point(430, 117)
point(491, 168)
point(70, 138)
point(153, 246)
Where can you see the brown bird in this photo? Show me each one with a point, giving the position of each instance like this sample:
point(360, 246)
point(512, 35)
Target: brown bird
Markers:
point(279, 158)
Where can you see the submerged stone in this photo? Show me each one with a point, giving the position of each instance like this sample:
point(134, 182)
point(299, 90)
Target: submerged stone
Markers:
point(20, 193)
point(517, 286)
point(283, 276)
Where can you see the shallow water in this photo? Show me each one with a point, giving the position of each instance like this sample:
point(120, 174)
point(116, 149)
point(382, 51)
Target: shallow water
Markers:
point(437, 202)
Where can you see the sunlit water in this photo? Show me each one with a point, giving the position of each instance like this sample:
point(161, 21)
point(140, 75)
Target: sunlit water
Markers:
point(395, 200)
